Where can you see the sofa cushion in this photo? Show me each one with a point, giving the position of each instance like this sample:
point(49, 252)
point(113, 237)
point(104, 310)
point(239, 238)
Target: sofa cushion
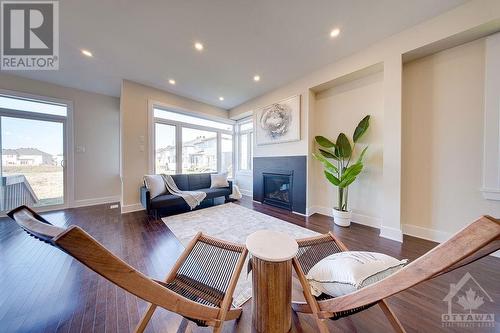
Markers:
point(155, 185)
point(216, 192)
point(182, 182)
point(167, 200)
point(218, 180)
point(199, 181)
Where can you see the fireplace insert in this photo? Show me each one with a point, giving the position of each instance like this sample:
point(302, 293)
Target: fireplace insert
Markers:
point(278, 189)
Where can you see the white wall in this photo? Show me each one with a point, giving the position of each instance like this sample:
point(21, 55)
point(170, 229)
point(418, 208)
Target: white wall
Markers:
point(443, 114)
point(339, 109)
point(96, 126)
point(134, 133)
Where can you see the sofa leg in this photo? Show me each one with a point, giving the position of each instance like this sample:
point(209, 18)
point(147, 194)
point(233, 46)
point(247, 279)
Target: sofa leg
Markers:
point(227, 198)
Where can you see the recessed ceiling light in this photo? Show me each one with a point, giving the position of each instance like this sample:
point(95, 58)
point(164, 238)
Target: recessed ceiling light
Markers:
point(335, 32)
point(198, 46)
point(256, 78)
point(221, 98)
point(87, 53)
point(171, 81)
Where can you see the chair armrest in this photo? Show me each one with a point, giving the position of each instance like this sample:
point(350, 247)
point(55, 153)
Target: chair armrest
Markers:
point(230, 186)
point(145, 198)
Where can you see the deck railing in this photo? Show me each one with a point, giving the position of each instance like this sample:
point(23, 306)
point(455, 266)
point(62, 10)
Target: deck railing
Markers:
point(16, 191)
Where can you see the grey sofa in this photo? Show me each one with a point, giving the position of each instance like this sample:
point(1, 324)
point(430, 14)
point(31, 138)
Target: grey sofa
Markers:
point(169, 204)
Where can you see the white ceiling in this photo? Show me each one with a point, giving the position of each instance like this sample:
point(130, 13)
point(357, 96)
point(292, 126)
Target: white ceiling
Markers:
point(152, 41)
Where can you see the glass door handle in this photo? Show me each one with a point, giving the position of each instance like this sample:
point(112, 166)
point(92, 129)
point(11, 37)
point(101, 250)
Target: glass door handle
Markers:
point(63, 163)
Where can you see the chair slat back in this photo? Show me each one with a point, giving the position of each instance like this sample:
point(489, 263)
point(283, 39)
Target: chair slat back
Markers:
point(210, 266)
point(314, 249)
point(471, 243)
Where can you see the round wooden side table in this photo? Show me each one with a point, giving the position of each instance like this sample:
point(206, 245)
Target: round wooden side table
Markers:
point(272, 253)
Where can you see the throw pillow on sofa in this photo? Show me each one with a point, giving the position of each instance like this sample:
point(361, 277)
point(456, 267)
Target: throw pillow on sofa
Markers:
point(155, 184)
point(345, 272)
point(218, 180)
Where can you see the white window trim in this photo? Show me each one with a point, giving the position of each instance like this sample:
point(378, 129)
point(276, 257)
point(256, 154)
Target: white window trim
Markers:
point(491, 153)
point(69, 192)
point(152, 104)
point(249, 145)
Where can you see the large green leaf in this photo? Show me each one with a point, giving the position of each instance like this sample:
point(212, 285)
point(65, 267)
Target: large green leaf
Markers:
point(360, 158)
point(361, 128)
point(343, 146)
point(332, 179)
point(324, 142)
point(350, 174)
point(328, 154)
point(327, 164)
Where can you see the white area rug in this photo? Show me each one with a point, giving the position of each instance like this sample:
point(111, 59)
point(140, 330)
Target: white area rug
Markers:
point(233, 223)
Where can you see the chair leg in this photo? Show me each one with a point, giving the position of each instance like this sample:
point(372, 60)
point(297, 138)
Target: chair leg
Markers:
point(322, 326)
point(145, 318)
point(218, 329)
point(395, 323)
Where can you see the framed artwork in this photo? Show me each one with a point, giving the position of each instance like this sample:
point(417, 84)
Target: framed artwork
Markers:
point(278, 122)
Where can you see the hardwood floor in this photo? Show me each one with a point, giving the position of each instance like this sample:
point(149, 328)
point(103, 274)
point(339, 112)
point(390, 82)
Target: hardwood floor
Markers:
point(44, 290)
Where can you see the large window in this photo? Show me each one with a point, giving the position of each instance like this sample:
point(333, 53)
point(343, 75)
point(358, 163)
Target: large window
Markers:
point(33, 145)
point(185, 143)
point(245, 145)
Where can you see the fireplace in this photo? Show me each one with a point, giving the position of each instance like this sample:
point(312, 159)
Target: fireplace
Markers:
point(278, 189)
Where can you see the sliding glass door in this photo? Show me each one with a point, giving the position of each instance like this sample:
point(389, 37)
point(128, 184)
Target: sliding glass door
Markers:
point(32, 155)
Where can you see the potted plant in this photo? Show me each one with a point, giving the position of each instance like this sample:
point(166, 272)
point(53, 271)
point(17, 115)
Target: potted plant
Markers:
point(336, 159)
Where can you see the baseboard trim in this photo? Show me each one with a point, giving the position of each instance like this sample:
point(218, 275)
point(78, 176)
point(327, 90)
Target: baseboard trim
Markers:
point(426, 233)
point(96, 201)
point(432, 235)
point(371, 221)
point(391, 233)
point(131, 208)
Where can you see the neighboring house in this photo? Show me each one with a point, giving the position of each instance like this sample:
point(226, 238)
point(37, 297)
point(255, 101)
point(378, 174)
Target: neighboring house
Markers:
point(165, 159)
point(26, 156)
point(198, 155)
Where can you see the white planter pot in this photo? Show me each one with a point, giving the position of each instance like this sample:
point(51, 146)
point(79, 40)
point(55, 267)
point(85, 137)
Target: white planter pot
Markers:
point(341, 218)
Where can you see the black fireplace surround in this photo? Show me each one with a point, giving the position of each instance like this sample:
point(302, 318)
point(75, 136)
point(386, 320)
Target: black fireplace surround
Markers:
point(284, 178)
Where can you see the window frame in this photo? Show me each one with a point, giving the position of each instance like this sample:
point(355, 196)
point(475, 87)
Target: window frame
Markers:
point(67, 120)
point(250, 133)
point(178, 134)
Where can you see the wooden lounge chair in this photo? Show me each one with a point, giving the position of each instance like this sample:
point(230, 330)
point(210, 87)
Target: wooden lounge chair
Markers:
point(199, 287)
point(475, 241)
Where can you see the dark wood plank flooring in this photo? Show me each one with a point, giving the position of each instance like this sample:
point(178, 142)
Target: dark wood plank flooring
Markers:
point(44, 290)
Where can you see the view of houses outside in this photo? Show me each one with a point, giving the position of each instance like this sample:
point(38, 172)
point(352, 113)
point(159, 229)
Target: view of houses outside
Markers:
point(199, 150)
point(43, 172)
point(165, 149)
point(31, 160)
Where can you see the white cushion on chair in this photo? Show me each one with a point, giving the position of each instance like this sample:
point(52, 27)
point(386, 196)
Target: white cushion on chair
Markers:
point(345, 272)
point(219, 180)
point(155, 184)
